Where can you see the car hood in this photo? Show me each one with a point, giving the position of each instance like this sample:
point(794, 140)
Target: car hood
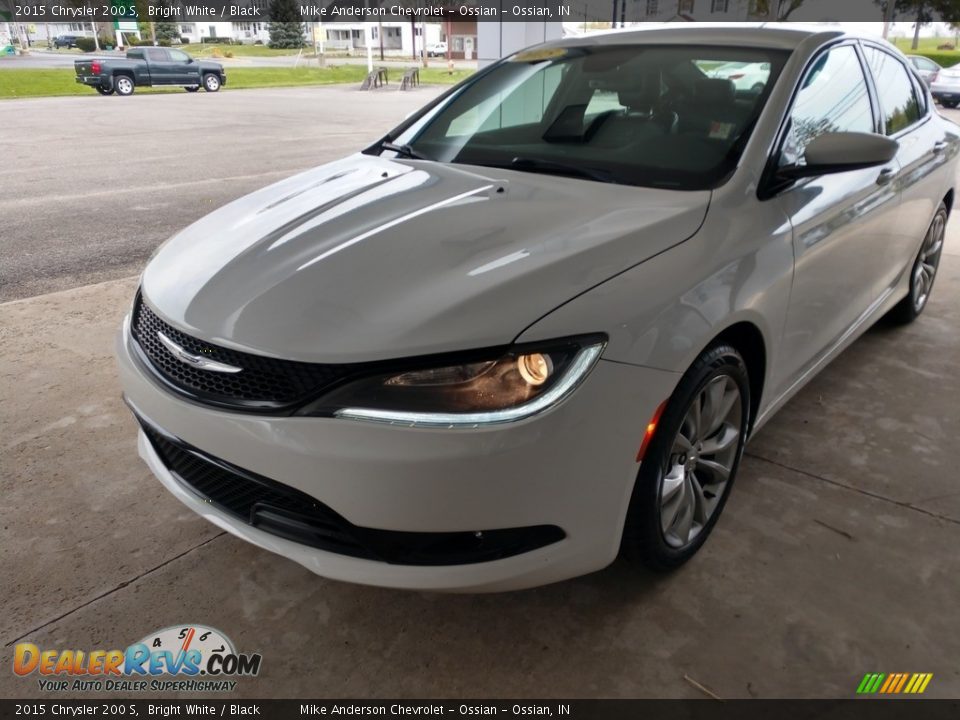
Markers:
point(370, 258)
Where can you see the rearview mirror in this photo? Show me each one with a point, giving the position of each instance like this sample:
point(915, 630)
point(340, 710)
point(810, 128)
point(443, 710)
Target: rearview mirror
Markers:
point(836, 152)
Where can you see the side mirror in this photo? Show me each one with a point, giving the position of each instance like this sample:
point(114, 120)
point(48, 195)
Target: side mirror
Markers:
point(836, 152)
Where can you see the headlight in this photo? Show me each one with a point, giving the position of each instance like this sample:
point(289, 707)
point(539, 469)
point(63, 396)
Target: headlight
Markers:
point(511, 385)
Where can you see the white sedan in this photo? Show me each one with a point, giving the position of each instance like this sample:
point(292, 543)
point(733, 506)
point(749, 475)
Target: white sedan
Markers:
point(945, 87)
point(534, 325)
point(750, 76)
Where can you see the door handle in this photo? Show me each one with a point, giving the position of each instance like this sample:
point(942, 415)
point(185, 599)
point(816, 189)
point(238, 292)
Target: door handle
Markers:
point(939, 147)
point(886, 176)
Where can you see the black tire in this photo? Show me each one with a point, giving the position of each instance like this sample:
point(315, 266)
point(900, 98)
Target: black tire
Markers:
point(211, 83)
point(921, 279)
point(104, 91)
point(192, 88)
point(950, 104)
point(124, 85)
point(644, 538)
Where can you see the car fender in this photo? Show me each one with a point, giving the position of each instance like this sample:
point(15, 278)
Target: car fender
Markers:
point(663, 312)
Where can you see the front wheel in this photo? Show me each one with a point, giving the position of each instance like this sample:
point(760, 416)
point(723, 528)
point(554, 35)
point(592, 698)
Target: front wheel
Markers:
point(923, 272)
point(104, 91)
point(691, 462)
point(950, 104)
point(192, 88)
point(123, 85)
point(211, 83)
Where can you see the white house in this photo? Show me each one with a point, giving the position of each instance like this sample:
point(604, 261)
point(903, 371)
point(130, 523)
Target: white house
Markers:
point(397, 37)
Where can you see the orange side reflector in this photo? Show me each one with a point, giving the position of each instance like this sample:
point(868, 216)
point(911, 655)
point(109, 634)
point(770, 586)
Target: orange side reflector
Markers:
point(651, 429)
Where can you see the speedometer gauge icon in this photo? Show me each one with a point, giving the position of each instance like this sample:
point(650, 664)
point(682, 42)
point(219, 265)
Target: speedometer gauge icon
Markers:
point(180, 639)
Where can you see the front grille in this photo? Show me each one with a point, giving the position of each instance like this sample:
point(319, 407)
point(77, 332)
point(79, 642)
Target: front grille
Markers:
point(263, 384)
point(284, 511)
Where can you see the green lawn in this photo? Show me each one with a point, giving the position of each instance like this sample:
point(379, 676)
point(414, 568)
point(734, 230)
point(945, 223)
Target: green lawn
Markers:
point(22, 82)
point(206, 50)
point(928, 48)
point(925, 45)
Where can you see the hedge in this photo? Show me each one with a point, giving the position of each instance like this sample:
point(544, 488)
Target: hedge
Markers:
point(945, 58)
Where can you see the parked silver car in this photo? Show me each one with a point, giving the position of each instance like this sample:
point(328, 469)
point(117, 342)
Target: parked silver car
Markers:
point(945, 87)
point(535, 324)
point(926, 68)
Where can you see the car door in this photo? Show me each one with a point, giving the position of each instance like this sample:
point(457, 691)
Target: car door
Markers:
point(187, 72)
point(907, 118)
point(162, 71)
point(843, 222)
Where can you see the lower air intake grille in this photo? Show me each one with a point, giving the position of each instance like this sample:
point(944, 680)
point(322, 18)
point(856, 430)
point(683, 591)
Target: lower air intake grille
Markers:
point(281, 510)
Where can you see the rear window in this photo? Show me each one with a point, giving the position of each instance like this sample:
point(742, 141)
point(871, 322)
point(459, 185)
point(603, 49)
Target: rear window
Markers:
point(898, 99)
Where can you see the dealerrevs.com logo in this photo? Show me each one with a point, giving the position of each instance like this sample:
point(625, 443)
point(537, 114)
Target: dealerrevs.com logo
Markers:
point(180, 658)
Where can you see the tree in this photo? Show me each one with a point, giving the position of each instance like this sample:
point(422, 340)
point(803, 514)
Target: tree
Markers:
point(286, 31)
point(921, 10)
point(165, 30)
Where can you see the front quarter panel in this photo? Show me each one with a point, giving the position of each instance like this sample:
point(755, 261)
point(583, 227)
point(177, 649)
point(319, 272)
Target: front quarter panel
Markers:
point(664, 312)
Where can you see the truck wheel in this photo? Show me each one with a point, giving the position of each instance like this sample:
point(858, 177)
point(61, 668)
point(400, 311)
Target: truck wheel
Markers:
point(192, 88)
point(124, 85)
point(104, 91)
point(211, 83)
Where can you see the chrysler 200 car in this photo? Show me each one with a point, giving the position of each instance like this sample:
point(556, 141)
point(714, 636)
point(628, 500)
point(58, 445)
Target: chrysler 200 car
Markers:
point(533, 326)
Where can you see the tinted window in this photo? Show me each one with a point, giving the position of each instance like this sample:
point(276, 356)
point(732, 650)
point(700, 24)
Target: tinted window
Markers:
point(651, 115)
point(832, 98)
point(157, 55)
point(899, 104)
point(178, 55)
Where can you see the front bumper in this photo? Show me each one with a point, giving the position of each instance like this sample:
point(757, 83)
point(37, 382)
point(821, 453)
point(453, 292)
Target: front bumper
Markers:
point(572, 467)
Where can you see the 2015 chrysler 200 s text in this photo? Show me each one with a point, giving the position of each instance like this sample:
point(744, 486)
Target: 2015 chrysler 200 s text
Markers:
point(535, 324)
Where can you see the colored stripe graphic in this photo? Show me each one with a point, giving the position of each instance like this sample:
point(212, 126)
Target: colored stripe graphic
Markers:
point(894, 683)
point(864, 684)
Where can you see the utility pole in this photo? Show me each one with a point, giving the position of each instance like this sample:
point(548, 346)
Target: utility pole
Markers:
point(613, 22)
point(623, 13)
point(96, 40)
point(367, 33)
point(380, 33)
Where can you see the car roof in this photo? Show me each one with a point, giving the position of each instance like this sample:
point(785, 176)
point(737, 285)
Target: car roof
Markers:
point(766, 35)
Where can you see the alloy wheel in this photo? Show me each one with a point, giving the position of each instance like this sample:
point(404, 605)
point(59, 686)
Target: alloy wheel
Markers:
point(925, 269)
point(701, 461)
point(124, 86)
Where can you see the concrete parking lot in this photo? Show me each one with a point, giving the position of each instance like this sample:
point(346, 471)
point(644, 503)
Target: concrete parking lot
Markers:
point(836, 555)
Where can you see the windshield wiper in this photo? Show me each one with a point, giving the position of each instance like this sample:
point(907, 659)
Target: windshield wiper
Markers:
point(558, 168)
point(402, 150)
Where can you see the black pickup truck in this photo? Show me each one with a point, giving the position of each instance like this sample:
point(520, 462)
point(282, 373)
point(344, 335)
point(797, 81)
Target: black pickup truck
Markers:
point(149, 66)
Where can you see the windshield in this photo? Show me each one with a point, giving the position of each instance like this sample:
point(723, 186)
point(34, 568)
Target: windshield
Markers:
point(649, 115)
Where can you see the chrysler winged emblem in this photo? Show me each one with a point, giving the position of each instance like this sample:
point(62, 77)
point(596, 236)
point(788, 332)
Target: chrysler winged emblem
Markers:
point(197, 361)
